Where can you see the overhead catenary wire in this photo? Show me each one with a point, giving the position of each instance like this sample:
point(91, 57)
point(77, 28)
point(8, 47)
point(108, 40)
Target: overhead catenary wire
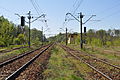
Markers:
point(78, 5)
point(109, 16)
point(39, 9)
point(105, 10)
point(7, 10)
point(110, 8)
point(35, 7)
point(75, 3)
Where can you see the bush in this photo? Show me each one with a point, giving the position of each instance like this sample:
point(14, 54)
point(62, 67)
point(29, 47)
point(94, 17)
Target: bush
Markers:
point(116, 43)
point(2, 44)
point(96, 42)
point(17, 41)
point(21, 38)
point(108, 43)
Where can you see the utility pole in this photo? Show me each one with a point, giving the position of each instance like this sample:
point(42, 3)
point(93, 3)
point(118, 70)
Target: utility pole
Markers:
point(81, 16)
point(42, 35)
point(81, 42)
point(29, 22)
point(29, 17)
point(66, 36)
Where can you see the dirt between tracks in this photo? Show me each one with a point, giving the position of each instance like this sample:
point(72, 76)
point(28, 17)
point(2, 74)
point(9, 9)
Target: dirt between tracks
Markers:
point(34, 71)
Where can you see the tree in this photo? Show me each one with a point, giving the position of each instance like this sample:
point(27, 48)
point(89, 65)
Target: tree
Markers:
point(117, 32)
point(6, 29)
point(90, 35)
point(102, 35)
point(16, 34)
point(21, 38)
point(36, 34)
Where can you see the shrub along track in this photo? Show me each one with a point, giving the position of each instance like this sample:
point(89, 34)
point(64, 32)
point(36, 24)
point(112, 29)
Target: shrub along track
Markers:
point(101, 69)
point(9, 67)
point(5, 51)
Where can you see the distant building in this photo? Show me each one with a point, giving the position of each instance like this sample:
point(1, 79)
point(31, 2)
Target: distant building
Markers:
point(71, 38)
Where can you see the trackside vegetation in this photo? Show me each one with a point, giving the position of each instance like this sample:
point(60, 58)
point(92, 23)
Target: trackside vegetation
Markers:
point(99, 38)
point(5, 56)
point(60, 67)
point(11, 34)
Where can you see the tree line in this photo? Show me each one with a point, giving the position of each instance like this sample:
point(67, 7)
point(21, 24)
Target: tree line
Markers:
point(103, 37)
point(11, 34)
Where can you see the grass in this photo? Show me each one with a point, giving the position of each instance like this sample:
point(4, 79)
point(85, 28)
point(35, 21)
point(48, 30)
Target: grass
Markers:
point(11, 47)
point(61, 66)
point(103, 53)
point(14, 53)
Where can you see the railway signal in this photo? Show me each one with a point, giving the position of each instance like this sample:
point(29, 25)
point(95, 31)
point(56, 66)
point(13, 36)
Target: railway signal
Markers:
point(66, 36)
point(85, 35)
point(22, 21)
point(81, 23)
point(29, 22)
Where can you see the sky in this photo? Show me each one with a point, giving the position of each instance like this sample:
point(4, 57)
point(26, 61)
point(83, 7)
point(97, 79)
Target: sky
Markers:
point(107, 14)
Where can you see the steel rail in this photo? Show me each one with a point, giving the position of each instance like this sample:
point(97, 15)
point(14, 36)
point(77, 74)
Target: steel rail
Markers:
point(97, 59)
point(21, 69)
point(18, 57)
point(105, 76)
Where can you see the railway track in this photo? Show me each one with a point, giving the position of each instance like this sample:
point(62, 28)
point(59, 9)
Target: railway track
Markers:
point(102, 70)
point(10, 69)
point(5, 51)
point(2, 52)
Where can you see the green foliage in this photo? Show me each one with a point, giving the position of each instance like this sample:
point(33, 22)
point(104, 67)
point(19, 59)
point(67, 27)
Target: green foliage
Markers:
point(59, 67)
point(17, 41)
point(117, 42)
point(16, 34)
point(6, 29)
point(15, 52)
point(96, 42)
point(2, 43)
point(101, 38)
point(108, 43)
point(76, 78)
point(21, 38)
point(77, 40)
point(36, 35)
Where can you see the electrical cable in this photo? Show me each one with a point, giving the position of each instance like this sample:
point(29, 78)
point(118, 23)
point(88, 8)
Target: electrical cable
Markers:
point(39, 9)
point(75, 3)
point(110, 8)
point(79, 4)
point(108, 16)
point(35, 7)
point(7, 10)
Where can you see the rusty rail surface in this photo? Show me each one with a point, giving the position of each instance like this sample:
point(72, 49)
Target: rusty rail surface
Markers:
point(10, 66)
point(88, 59)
